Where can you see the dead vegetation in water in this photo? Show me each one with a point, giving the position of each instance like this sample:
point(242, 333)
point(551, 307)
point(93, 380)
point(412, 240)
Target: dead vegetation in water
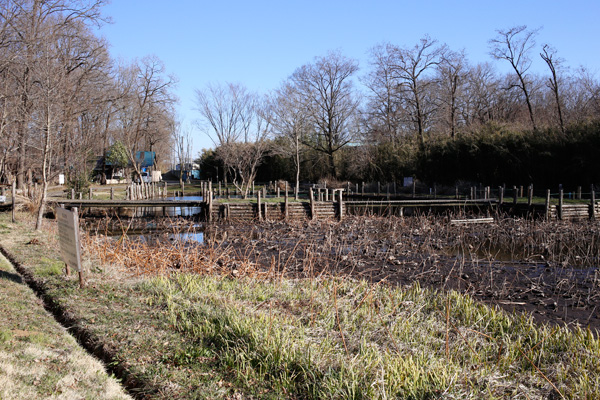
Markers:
point(546, 268)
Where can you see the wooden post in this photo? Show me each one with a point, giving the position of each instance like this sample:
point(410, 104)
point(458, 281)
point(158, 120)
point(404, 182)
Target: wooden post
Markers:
point(210, 207)
point(414, 189)
point(378, 188)
point(362, 189)
point(13, 199)
point(501, 195)
point(286, 204)
point(312, 204)
point(278, 191)
point(90, 194)
point(72, 194)
point(515, 195)
point(521, 191)
point(593, 201)
point(258, 204)
point(112, 193)
point(560, 203)
point(456, 192)
point(578, 193)
point(80, 195)
point(434, 191)
point(472, 197)
point(547, 205)
point(341, 205)
point(530, 195)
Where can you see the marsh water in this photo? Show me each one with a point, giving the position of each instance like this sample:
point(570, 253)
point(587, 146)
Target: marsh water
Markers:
point(151, 224)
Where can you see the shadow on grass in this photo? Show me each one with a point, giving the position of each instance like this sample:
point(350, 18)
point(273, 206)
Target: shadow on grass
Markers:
point(11, 276)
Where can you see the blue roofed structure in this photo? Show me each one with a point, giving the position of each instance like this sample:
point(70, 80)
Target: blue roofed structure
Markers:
point(145, 158)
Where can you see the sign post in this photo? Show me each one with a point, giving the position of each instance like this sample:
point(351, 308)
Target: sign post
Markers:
point(13, 199)
point(68, 232)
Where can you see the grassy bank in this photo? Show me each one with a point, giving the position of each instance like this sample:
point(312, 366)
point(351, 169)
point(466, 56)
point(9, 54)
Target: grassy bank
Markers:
point(38, 358)
point(214, 333)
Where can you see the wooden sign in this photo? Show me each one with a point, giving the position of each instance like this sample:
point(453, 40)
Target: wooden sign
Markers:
point(68, 232)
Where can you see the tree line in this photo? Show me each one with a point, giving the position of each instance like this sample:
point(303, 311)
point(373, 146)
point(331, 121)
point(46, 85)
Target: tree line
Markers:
point(63, 100)
point(411, 108)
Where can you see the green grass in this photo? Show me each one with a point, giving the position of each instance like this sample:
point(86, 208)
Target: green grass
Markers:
point(38, 358)
point(190, 336)
point(338, 338)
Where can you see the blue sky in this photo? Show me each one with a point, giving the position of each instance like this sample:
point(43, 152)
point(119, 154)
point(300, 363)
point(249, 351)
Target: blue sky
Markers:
point(260, 43)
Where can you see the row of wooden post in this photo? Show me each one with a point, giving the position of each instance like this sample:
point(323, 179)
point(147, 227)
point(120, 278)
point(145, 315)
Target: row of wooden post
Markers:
point(141, 191)
point(209, 200)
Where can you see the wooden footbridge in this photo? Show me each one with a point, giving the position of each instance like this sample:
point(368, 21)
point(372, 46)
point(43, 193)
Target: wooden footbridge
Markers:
point(321, 204)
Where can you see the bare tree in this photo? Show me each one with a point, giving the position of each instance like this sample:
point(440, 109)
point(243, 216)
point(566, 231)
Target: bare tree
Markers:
point(226, 111)
point(182, 145)
point(410, 69)
point(514, 46)
point(145, 107)
point(481, 92)
point(238, 123)
point(326, 91)
point(548, 55)
point(30, 24)
point(452, 71)
point(588, 87)
point(386, 114)
point(50, 80)
point(290, 123)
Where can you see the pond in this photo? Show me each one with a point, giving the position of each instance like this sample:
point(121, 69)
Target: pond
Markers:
point(150, 224)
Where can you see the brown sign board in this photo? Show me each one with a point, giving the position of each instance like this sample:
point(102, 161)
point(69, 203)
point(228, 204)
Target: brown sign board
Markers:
point(68, 233)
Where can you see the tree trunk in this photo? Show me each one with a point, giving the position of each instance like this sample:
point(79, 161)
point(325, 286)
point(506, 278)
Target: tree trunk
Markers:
point(297, 166)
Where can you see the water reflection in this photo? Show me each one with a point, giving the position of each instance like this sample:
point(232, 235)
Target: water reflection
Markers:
point(177, 211)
